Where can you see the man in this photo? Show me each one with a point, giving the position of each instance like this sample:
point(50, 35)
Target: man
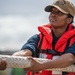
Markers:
point(56, 41)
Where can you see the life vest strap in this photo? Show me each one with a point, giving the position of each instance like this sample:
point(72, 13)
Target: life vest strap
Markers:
point(48, 51)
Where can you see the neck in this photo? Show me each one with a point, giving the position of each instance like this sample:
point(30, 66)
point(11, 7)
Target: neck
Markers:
point(58, 31)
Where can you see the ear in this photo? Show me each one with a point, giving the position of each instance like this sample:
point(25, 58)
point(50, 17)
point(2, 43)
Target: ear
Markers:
point(69, 20)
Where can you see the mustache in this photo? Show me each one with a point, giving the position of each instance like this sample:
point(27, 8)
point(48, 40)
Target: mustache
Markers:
point(51, 18)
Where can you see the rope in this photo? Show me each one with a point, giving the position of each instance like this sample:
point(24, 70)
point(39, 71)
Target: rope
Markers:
point(23, 62)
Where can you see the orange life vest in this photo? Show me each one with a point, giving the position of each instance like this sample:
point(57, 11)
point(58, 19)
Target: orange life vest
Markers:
point(59, 46)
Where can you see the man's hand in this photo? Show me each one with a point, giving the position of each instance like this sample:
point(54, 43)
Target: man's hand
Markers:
point(3, 65)
point(35, 65)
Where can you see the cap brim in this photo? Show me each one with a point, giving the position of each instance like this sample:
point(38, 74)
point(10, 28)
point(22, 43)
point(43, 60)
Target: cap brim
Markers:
point(48, 8)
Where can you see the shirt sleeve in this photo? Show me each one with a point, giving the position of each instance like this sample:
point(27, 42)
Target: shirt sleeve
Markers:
point(31, 44)
point(71, 49)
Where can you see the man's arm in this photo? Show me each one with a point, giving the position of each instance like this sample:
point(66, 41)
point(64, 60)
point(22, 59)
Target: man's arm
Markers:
point(25, 52)
point(62, 61)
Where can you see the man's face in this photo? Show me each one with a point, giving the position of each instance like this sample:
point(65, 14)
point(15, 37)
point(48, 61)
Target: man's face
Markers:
point(57, 18)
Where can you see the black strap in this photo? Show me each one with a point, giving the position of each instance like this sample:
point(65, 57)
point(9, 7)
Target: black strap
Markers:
point(40, 42)
point(48, 51)
point(64, 73)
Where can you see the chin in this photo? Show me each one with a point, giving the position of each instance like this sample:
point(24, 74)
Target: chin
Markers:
point(54, 26)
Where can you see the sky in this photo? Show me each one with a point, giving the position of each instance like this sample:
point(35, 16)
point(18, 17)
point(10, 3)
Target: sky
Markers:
point(19, 20)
